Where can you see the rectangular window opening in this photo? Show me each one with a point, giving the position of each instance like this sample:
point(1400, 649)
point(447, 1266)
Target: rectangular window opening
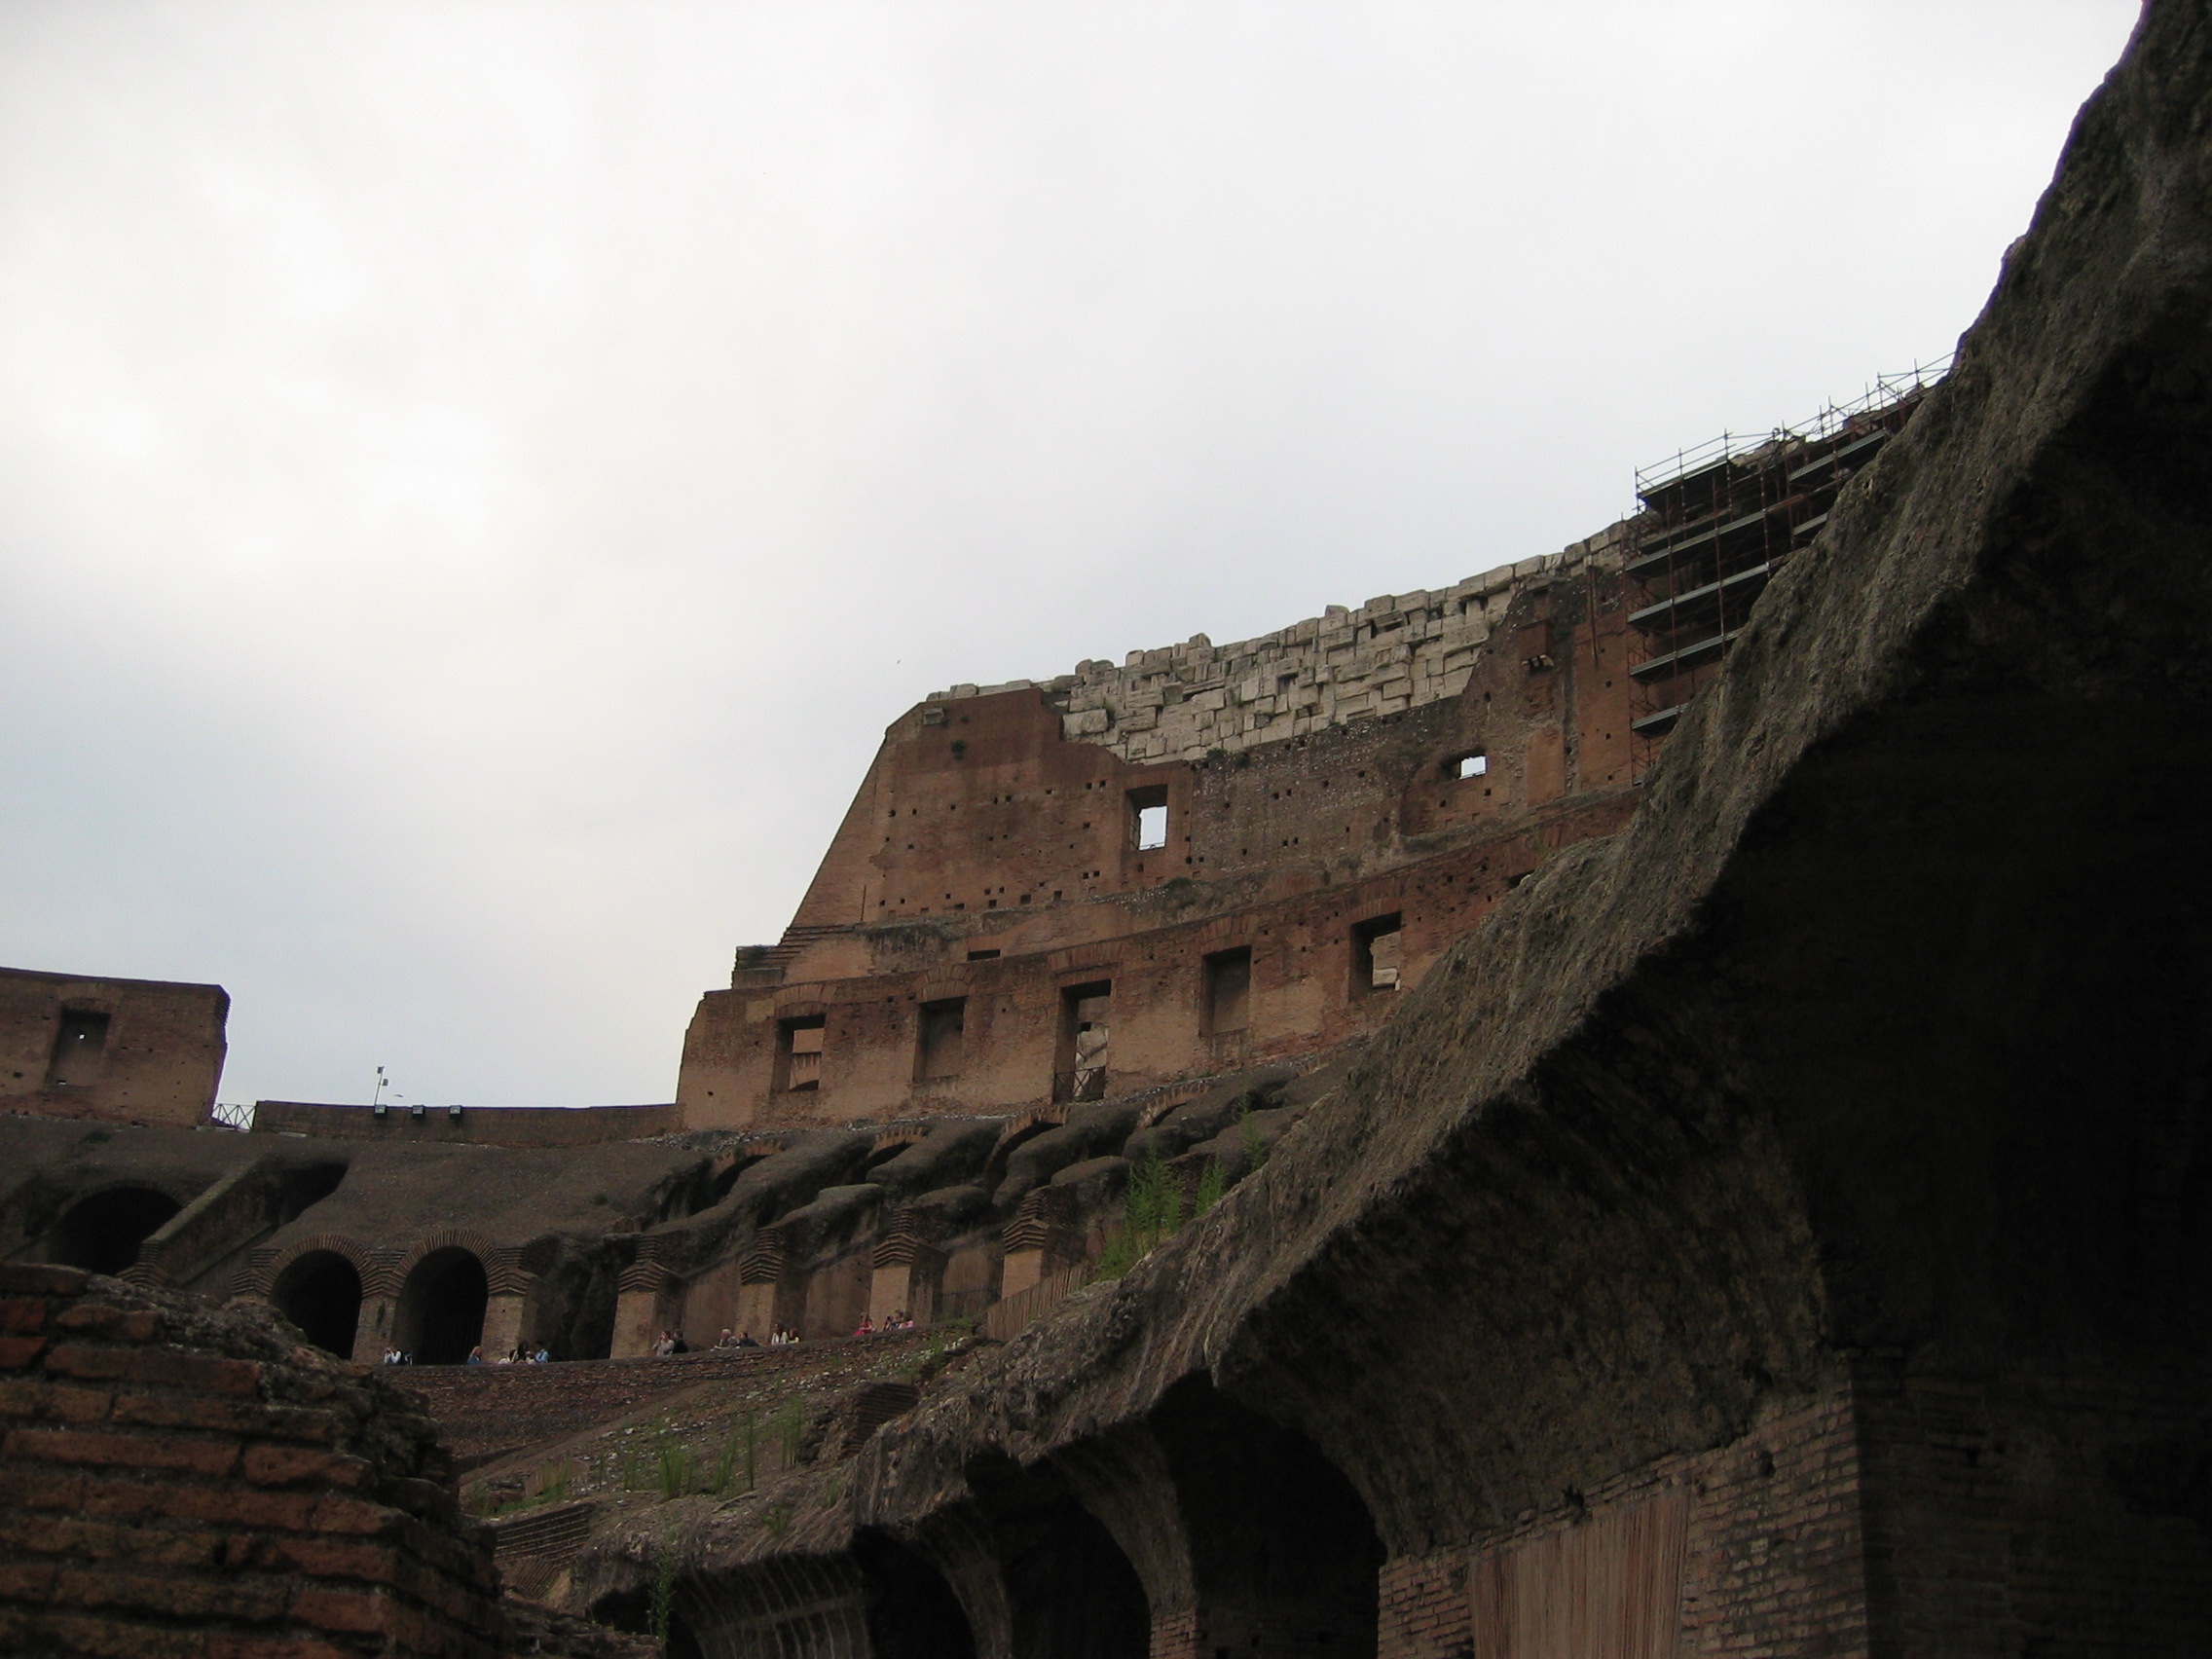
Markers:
point(1087, 1014)
point(1375, 958)
point(798, 1053)
point(1228, 991)
point(1148, 817)
point(77, 1048)
point(1473, 765)
point(944, 1036)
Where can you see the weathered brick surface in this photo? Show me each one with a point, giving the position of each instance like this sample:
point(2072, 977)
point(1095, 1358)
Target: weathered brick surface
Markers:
point(174, 1482)
point(1422, 1607)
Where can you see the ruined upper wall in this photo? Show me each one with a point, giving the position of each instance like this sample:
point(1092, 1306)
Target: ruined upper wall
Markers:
point(497, 1126)
point(125, 1051)
point(1394, 652)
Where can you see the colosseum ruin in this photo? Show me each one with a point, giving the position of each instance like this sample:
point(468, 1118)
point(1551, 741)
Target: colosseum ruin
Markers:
point(1652, 1101)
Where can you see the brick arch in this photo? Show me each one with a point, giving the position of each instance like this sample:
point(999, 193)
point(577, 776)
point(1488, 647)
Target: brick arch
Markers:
point(1225, 933)
point(502, 1264)
point(261, 1276)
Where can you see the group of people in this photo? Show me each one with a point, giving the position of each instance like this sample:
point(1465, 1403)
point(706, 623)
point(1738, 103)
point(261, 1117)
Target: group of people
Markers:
point(673, 1342)
point(901, 1321)
point(513, 1356)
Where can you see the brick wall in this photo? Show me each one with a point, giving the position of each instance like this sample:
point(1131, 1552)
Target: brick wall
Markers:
point(2038, 1515)
point(179, 1483)
point(496, 1126)
point(112, 1051)
point(1767, 1532)
point(1893, 1513)
point(1422, 1607)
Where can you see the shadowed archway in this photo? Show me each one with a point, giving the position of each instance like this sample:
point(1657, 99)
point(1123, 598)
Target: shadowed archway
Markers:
point(1071, 1593)
point(912, 1612)
point(103, 1234)
point(320, 1292)
point(441, 1306)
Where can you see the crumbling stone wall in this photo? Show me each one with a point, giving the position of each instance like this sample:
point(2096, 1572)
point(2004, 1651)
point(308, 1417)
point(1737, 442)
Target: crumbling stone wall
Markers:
point(1394, 652)
point(176, 1482)
point(1273, 807)
point(113, 1050)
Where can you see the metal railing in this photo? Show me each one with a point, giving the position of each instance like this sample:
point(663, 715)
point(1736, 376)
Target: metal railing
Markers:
point(1832, 419)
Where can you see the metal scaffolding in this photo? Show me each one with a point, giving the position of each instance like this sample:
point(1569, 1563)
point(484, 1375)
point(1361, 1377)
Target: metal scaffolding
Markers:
point(1719, 520)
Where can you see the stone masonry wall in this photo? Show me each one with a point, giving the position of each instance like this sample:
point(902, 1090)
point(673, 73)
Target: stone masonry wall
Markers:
point(175, 1482)
point(1394, 652)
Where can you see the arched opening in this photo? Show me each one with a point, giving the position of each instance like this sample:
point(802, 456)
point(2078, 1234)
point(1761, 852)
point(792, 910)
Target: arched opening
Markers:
point(912, 1612)
point(1071, 1593)
point(883, 1155)
point(1283, 1552)
point(103, 1234)
point(737, 1167)
point(441, 1307)
point(994, 1168)
point(306, 1186)
point(320, 1292)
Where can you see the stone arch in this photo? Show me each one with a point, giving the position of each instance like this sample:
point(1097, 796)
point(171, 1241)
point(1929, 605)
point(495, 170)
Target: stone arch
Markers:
point(1071, 1590)
point(267, 1273)
point(724, 1173)
point(1123, 1479)
point(102, 1229)
point(957, 1542)
point(319, 1290)
point(796, 1606)
point(1024, 1126)
point(442, 1302)
point(1283, 1553)
point(887, 1146)
point(913, 1611)
point(502, 1263)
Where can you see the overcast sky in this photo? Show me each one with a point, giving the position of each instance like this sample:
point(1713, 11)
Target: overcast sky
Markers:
point(476, 480)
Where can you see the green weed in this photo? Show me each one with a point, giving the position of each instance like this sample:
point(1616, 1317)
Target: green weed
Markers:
point(1255, 1142)
point(1212, 1183)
